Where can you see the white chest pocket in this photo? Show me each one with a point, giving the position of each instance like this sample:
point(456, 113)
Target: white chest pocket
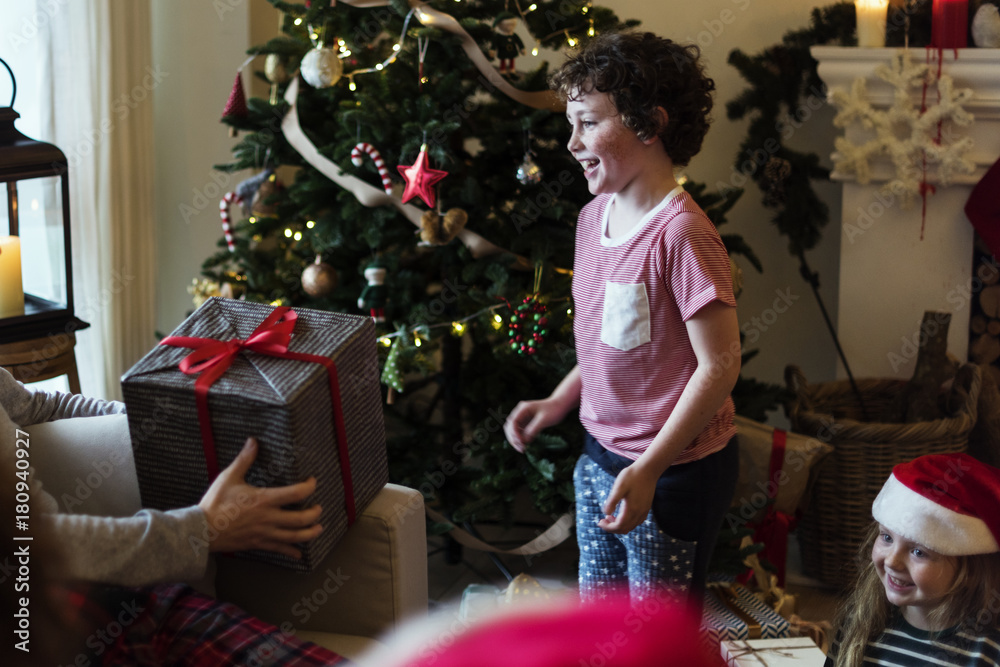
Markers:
point(625, 322)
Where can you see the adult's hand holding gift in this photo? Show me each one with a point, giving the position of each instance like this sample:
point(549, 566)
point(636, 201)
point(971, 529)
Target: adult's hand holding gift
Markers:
point(242, 516)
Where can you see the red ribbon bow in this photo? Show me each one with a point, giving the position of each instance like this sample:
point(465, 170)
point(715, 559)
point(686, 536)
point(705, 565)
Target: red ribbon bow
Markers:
point(211, 358)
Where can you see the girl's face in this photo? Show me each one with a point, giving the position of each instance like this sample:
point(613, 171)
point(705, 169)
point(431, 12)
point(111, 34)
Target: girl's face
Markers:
point(915, 578)
point(607, 150)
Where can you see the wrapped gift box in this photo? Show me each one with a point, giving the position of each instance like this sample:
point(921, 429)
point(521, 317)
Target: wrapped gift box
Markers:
point(306, 424)
point(788, 652)
point(733, 612)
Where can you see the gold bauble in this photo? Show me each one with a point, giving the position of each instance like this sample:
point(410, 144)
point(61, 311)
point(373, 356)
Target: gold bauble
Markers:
point(260, 207)
point(319, 278)
point(276, 68)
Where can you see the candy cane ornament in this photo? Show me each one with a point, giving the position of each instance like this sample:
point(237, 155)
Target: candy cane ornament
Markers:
point(376, 157)
point(228, 199)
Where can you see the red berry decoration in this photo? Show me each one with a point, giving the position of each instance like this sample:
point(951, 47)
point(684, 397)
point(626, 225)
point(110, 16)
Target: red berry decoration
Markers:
point(528, 325)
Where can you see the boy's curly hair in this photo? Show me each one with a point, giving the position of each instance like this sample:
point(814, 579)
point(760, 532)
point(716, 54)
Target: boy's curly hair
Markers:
point(641, 72)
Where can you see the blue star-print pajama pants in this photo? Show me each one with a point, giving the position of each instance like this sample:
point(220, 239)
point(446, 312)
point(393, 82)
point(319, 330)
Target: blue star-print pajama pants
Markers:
point(670, 550)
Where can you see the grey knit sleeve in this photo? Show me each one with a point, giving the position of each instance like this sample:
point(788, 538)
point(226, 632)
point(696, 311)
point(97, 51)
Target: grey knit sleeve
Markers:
point(25, 405)
point(147, 548)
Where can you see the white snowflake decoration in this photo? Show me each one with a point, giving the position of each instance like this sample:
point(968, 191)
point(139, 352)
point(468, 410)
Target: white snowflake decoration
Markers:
point(919, 147)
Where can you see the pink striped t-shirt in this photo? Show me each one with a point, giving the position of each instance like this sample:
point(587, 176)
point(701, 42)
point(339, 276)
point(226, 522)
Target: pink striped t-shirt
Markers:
point(632, 295)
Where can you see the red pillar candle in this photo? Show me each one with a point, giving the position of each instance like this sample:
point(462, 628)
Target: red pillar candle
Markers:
point(949, 24)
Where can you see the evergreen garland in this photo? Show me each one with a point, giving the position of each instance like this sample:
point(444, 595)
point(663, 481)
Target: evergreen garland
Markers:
point(784, 89)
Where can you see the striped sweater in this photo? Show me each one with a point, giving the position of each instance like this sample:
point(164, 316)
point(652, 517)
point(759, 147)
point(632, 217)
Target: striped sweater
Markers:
point(902, 645)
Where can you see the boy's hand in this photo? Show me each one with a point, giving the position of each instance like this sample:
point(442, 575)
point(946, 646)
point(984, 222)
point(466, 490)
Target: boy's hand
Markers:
point(527, 419)
point(248, 517)
point(634, 489)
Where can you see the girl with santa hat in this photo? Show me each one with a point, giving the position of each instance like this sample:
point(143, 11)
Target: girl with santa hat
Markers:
point(930, 591)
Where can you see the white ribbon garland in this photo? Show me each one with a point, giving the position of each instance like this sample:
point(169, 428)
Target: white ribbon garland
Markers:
point(367, 195)
point(554, 535)
point(543, 99)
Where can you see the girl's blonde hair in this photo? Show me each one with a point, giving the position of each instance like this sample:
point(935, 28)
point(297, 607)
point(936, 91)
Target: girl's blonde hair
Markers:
point(973, 602)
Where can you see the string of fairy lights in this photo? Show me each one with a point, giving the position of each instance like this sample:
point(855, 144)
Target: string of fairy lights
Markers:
point(457, 327)
point(343, 51)
point(421, 332)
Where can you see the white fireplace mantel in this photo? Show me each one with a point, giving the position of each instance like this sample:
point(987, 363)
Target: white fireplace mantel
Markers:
point(888, 275)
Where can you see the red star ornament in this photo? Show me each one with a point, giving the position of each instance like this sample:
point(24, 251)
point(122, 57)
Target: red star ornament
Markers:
point(420, 179)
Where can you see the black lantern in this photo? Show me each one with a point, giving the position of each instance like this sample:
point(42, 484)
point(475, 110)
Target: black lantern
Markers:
point(37, 321)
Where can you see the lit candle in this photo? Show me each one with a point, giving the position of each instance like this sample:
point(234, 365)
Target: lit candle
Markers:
point(11, 290)
point(871, 22)
point(949, 24)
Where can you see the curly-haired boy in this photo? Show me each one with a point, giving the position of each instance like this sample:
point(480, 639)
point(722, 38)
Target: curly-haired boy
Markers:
point(655, 325)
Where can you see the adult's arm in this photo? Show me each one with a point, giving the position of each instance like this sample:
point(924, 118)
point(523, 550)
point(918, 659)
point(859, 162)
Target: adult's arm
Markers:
point(147, 548)
point(153, 546)
point(31, 406)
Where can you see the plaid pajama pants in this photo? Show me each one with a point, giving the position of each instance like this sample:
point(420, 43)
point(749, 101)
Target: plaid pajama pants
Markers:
point(174, 625)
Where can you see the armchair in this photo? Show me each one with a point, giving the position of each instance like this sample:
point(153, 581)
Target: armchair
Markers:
point(375, 578)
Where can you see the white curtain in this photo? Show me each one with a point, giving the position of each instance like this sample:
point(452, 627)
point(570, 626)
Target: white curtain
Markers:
point(96, 82)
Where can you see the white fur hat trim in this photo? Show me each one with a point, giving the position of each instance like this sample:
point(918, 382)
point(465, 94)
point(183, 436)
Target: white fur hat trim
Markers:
point(918, 518)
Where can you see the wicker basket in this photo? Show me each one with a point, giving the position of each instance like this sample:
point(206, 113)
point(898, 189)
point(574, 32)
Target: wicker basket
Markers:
point(838, 513)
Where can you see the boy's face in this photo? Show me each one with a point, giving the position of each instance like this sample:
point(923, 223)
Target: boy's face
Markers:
point(915, 578)
point(606, 149)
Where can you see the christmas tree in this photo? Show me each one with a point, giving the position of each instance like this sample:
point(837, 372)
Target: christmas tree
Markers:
point(434, 193)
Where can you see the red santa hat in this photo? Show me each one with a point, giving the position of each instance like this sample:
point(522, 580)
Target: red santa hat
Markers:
point(563, 633)
point(949, 503)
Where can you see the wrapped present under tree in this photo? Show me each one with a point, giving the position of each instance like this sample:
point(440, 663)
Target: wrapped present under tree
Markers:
point(733, 612)
point(790, 652)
